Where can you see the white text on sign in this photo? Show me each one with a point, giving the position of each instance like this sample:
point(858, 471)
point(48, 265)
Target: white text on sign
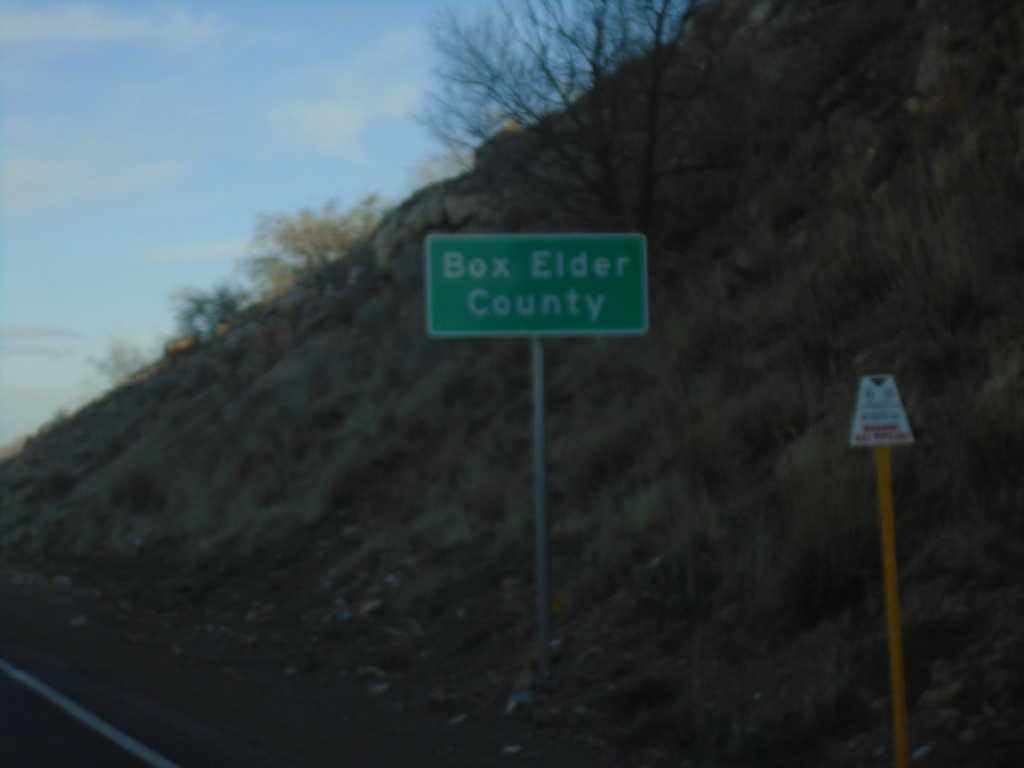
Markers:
point(544, 265)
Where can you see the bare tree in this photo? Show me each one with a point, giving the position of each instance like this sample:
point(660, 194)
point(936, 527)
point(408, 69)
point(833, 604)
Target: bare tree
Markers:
point(591, 82)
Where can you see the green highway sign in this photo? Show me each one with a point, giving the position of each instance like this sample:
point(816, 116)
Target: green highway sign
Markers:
point(536, 284)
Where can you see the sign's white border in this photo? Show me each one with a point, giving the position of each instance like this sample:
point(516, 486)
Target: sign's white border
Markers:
point(555, 332)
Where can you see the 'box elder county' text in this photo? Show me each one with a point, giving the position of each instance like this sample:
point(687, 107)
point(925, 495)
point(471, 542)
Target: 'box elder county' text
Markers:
point(543, 265)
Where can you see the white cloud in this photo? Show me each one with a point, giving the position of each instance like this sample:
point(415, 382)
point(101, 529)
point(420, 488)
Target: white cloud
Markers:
point(395, 46)
point(60, 148)
point(195, 251)
point(89, 22)
point(31, 182)
point(50, 352)
point(16, 127)
point(332, 126)
point(401, 98)
point(384, 81)
point(38, 341)
point(35, 332)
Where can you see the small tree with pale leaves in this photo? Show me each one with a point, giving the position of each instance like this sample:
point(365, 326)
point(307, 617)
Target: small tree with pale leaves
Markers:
point(288, 246)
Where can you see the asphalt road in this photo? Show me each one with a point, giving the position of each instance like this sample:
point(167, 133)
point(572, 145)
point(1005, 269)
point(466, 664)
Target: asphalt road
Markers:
point(107, 727)
point(35, 733)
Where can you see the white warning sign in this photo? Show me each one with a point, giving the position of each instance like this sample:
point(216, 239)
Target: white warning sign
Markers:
point(879, 418)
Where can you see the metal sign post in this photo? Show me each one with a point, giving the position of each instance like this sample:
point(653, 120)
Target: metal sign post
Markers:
point(540, 498)
point(892, 606)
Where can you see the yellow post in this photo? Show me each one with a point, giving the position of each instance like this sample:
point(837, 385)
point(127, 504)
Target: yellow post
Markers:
point(892, 605)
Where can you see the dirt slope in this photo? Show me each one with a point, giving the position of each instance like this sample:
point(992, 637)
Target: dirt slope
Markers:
point(325, 474)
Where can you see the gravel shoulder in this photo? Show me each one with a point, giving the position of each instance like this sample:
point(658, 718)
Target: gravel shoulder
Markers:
point(265, 695)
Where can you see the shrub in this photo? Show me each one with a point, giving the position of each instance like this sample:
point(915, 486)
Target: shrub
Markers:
point(201, 312)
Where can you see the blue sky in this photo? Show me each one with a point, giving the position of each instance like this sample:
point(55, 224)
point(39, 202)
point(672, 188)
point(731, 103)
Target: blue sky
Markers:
point(140, 140)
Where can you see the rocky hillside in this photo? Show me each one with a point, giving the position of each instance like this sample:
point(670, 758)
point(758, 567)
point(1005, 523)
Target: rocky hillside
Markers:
point(324, 472)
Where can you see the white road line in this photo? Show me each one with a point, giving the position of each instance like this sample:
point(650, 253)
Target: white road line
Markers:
point(84, 716)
